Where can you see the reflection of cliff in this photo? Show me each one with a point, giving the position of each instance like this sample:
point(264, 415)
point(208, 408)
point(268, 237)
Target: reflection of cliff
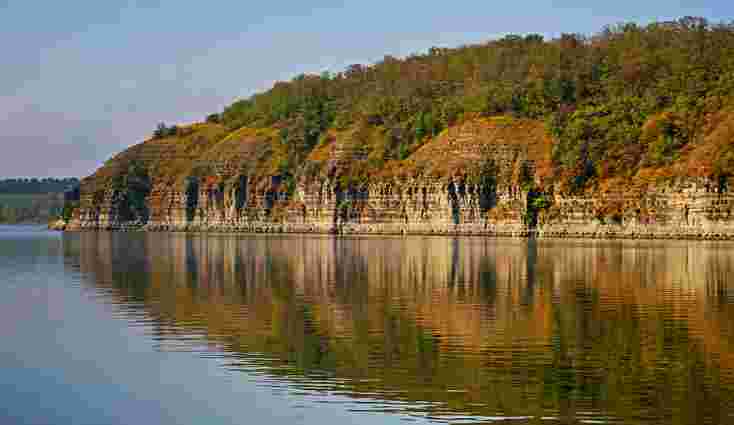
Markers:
point(646, 284)
point(514, 326)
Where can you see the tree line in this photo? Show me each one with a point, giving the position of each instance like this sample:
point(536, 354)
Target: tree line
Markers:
point(36, 185)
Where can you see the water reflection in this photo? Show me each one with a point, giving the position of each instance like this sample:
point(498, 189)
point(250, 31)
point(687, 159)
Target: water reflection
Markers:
point(457, 329)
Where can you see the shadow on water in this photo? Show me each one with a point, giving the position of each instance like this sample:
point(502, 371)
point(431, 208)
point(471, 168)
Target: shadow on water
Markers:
point(623, 332)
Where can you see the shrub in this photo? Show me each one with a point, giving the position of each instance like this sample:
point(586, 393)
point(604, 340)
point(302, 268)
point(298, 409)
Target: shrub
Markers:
point(162, 131)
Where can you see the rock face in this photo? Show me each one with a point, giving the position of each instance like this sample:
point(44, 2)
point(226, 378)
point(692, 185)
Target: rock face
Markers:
point(690, 208)
point(477, 179)
point(403, 206)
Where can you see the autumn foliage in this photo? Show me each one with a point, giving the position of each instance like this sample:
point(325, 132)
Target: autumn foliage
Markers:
point(626, 103)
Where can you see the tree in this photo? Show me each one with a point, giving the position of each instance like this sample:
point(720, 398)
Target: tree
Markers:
point(163, 131)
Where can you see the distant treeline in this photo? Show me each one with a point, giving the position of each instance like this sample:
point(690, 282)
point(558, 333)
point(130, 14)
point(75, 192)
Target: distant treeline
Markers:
point(37, 186)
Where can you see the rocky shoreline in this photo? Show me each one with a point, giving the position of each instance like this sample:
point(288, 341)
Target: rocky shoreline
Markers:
point(606, 234)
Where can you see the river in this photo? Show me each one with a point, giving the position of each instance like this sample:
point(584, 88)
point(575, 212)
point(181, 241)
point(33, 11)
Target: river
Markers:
point(123, 328)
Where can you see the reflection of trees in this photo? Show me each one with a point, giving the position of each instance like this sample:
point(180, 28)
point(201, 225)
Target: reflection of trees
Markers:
point(635, 329)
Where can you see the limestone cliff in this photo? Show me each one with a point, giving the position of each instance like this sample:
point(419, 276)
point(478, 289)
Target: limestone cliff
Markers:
point(481, 177)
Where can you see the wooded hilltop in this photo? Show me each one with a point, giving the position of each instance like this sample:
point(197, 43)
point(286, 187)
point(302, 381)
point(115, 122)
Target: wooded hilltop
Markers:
point(627, 99)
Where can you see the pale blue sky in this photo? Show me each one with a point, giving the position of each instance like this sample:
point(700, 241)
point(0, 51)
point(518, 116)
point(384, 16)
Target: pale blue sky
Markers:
point(81, 80)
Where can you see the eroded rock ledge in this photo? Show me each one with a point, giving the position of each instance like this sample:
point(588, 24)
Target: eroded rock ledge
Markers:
point(690, 209)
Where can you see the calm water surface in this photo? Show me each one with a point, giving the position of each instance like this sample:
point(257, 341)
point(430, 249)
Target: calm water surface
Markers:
point(101, 328)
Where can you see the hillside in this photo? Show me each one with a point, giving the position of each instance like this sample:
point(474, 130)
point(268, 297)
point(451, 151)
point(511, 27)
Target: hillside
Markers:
point(30, 207)
point(24, 200)
point(520, 124)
